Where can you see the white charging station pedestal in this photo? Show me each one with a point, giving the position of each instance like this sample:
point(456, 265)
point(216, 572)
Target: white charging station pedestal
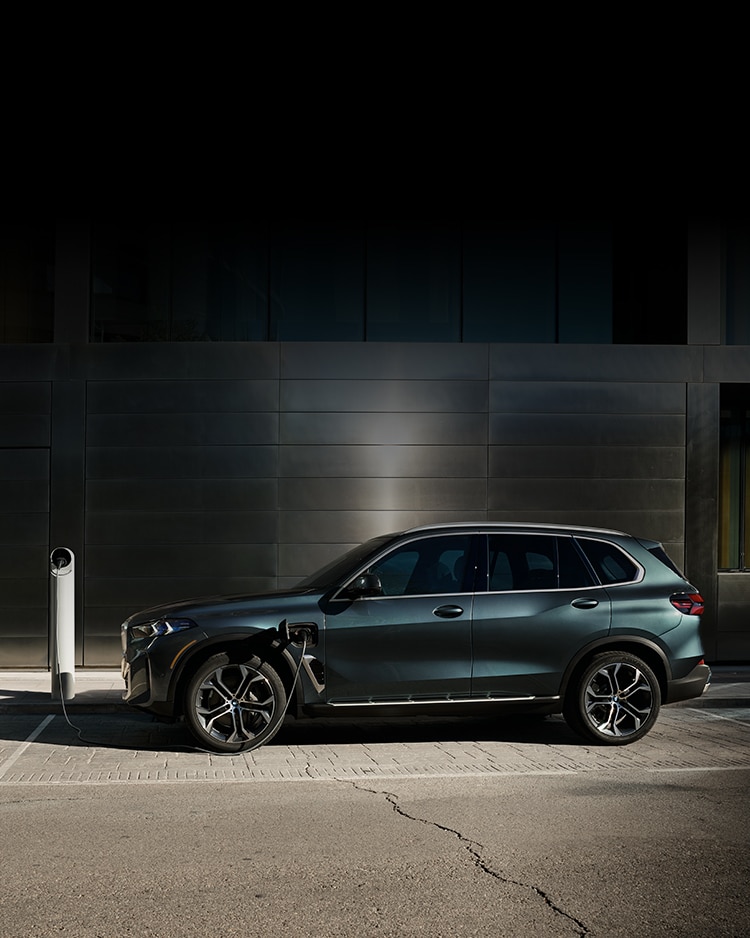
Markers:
point(62, 623)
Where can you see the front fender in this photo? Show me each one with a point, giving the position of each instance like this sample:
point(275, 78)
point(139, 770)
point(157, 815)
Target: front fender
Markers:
point(264, 643)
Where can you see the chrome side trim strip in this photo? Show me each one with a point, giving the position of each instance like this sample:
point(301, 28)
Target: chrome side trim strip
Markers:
point(421, 702)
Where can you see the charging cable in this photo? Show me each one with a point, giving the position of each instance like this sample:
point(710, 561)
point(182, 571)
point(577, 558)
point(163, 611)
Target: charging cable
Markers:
point(103, 745)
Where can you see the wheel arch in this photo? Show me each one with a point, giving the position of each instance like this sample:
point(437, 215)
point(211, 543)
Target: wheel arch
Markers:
point(648, 651)
point(239, 647)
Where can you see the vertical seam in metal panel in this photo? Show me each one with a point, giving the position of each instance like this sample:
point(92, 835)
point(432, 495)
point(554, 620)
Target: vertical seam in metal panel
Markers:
point(487, 433)
point(461, 285)
point(364, 282)
point(557, 284)
point(269, 336)
point(84, 539)
point(170, 301)
point(278, 462)
point(49, 518)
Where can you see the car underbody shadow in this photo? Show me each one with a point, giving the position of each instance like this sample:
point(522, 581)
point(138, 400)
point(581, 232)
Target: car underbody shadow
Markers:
point(140, 731)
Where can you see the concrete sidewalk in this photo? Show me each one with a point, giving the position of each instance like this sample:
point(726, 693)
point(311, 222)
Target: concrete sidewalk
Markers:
point(100, 691)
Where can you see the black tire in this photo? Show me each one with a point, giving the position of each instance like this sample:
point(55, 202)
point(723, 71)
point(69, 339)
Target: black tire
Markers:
point(615, 699)
point(234, 706)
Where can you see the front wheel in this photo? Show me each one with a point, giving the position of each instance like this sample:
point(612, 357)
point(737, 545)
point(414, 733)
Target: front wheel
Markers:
point(234, 706)
point(615, 700)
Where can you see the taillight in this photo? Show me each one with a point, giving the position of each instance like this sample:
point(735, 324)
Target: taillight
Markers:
point(689, 604)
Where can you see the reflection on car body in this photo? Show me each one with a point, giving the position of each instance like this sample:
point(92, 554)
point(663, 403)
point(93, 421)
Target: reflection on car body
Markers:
point(597, 625)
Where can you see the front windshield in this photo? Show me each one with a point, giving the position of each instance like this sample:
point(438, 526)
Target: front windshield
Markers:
point(336, 571)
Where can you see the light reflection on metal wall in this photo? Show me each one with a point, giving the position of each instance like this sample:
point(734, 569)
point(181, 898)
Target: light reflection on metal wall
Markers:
point(234, 467)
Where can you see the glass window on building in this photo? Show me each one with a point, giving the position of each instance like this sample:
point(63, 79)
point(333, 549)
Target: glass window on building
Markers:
point(734, 478)
point(179, 282)
point(510, 282)
point(584, 282)
point(413, 282)
point(649, 281)
point(737, 284)
point(537, 281)
point(27, 252)
point(318, 282)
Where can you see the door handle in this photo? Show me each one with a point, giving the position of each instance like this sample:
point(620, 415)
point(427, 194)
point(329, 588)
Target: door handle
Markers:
point(585, 603)
point(448, 612)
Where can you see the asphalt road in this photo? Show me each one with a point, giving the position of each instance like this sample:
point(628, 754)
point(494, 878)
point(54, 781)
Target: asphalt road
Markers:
point(431, 828)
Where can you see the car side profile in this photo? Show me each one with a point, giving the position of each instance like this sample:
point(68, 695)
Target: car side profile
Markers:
point(458, 618)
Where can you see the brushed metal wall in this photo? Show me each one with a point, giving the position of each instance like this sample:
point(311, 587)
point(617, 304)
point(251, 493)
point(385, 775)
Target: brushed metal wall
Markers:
point(25, 418)
point(173, 470)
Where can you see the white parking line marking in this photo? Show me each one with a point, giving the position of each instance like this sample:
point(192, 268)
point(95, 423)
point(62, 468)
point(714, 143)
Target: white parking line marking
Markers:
point(702, 768)
point(718, 716)
point(27, 742)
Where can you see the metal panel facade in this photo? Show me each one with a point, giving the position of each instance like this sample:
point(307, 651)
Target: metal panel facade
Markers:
point(595, 452)
point(181, 476)
point(25, 414)
point(181, 469)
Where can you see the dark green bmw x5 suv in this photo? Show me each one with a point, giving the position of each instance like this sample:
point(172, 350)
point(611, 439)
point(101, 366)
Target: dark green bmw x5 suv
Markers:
point(458, 618)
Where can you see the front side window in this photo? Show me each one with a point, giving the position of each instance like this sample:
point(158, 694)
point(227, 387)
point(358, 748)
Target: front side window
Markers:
point(426, 566)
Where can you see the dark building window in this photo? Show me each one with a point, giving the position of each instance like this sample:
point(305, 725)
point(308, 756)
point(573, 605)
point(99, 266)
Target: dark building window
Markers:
point(588, 281)
point(537, 281)
point(737, 283)
point(181, 282)
point(413, 283)
point(734, 478)
point(510, 282)
point(584, 282)
point(27, 254)
point(650, 282)
point(317, 282)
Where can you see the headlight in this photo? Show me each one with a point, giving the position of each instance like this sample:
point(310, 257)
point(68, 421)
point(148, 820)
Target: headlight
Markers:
point(158, 627)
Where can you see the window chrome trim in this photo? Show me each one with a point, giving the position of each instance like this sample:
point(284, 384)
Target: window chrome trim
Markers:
point(575, 535)
point(554, 589)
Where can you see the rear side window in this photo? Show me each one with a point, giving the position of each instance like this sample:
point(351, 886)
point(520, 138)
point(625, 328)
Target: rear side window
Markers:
point(534, 562)
point(610, 564)
point(664, 557)
point(573, 571)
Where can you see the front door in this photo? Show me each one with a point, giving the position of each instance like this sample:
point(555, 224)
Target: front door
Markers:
point(412, 642)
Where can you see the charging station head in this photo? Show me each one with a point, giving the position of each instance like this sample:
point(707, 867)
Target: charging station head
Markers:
point(60, 558)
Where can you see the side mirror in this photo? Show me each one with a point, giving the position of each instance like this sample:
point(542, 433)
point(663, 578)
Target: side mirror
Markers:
point(366, 584)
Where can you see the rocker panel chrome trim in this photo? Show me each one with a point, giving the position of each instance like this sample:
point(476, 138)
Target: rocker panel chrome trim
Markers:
point(430, 702)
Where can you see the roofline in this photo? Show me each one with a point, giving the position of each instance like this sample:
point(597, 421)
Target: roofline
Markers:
point(511, 525)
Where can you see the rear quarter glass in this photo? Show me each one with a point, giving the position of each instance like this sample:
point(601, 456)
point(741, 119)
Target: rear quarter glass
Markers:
point(660, 554)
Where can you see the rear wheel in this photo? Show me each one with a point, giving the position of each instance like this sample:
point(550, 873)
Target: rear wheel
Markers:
point(615, 700)
point(234, 706)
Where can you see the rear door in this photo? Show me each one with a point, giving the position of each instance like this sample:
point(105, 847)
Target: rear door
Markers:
point(536, 606)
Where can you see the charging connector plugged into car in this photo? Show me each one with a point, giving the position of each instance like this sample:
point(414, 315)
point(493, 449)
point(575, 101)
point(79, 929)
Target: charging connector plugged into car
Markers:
point(298, 633)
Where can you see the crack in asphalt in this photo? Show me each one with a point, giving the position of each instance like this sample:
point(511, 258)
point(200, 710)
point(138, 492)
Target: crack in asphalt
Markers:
point(473, 848)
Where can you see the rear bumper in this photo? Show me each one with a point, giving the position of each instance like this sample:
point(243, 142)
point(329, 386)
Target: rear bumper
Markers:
point(692, 685)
